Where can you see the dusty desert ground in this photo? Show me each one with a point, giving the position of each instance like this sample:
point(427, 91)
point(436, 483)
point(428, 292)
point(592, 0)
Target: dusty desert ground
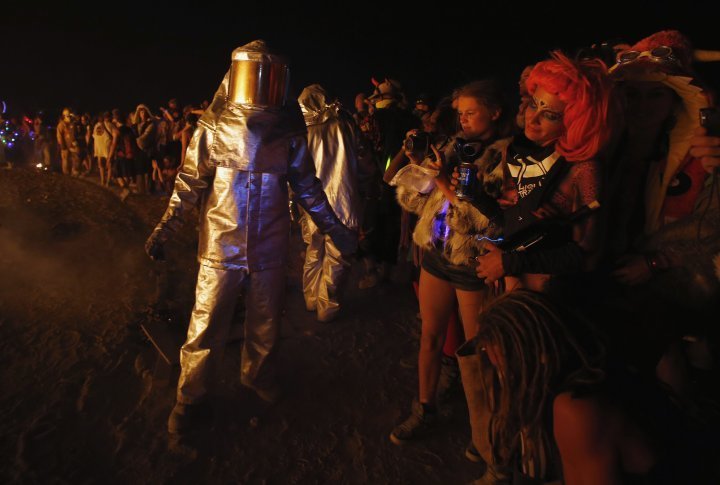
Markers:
point(83, 400)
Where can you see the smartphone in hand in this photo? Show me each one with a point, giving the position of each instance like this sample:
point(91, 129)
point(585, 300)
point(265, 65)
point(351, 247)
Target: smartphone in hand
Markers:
point(710, 120)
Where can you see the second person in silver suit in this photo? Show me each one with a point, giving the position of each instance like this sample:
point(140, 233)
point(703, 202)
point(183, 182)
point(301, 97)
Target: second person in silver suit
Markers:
point(342, 164)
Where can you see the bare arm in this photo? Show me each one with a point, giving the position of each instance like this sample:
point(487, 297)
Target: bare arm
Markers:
point(398, 161)
point(166, 114)
point(113, 144)
point(442, 181)
point(59, 133)
point(178, 129)
point(584, 432)
point(147, 137)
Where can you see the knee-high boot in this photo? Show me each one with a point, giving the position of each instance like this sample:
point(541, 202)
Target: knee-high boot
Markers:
point(474, 375)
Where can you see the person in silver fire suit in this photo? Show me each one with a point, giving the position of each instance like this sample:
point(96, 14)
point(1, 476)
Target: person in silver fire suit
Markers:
point(341, 166)
point(249, 144)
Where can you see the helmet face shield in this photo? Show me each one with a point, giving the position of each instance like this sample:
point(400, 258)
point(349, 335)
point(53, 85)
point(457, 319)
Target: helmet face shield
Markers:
point(259, 83)
point(257, 77)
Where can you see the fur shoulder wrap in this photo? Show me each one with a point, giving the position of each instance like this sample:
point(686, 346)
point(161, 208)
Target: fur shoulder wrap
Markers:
point(464, 219)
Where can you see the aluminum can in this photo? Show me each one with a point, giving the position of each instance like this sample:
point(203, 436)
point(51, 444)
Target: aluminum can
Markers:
point(467, 181)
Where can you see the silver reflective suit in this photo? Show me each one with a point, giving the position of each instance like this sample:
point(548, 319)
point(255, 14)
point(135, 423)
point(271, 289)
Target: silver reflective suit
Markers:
point(333, 140)
point(237, 169)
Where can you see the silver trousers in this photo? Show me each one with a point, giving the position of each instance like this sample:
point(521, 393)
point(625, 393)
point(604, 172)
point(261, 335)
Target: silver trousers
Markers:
point(216, 295)
point(324, 273)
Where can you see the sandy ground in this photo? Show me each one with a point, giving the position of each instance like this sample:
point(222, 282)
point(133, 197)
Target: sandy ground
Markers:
point(83, 401)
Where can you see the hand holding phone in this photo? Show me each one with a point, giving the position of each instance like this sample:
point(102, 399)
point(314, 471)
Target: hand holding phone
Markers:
point(710, 120)
point(705, 145)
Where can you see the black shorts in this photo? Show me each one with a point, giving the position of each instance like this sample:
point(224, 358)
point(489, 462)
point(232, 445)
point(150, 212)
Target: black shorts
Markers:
point(460, 277)
point(124, 167)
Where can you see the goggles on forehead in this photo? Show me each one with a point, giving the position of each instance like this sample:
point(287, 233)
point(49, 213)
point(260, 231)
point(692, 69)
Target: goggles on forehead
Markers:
point(661, 55)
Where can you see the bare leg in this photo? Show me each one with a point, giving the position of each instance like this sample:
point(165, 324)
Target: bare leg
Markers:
point(101, 168)
point(437, 300)
point(108, 169)
point(470, 303)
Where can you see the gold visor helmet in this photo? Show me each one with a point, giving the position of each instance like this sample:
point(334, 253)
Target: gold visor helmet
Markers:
point(258, 77)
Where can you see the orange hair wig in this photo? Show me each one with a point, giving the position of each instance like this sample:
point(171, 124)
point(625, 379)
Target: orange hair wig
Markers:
point(585, 89)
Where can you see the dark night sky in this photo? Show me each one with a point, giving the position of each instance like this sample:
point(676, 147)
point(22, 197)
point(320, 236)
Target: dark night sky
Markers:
point(138, 52)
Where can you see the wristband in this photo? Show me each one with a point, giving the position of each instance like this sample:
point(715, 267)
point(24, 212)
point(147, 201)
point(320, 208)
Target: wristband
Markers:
point(653, 264)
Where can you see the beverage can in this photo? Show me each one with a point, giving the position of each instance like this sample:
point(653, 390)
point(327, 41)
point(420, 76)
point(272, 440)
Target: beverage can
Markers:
point(467, 181)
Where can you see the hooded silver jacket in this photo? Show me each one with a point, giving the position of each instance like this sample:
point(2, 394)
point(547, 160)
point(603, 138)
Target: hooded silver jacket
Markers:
point(237, 168)
point(333, 141)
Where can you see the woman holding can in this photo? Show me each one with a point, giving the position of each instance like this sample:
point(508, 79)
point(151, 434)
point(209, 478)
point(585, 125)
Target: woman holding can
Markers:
point(452, 232)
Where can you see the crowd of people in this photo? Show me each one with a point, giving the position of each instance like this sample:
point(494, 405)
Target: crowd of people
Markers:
point(138, 152)
point(566, 253)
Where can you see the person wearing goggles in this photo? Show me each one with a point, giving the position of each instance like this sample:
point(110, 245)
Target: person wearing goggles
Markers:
point(661, 55)
point(662, 101)
point(664, 240)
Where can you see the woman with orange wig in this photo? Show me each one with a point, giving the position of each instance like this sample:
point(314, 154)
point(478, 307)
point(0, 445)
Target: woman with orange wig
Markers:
point(551, 173)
